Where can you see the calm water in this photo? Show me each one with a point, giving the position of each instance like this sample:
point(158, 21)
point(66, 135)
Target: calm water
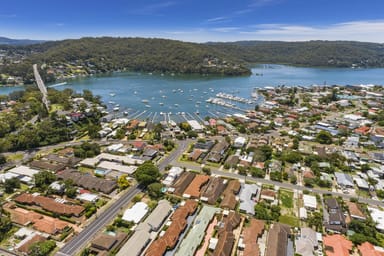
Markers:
point(147, 95)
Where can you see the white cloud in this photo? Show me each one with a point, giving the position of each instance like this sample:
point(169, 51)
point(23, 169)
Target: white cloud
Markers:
point(220, 19)
point(371, 31)
point(152, 9)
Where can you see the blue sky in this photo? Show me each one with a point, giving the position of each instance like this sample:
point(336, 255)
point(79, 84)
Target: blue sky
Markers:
point(195, 20)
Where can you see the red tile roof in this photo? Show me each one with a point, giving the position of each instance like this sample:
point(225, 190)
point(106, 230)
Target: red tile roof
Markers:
point(337, 245)
point(250, 236)
point(367, 249)
point(40, 222)
point(50, 204)
point(194, 188)
point(363, 130)
point(171, 236)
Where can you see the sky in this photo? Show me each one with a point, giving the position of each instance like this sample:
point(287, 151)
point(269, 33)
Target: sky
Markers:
point(195, 20)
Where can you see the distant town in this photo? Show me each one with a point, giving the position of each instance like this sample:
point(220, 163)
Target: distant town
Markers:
point(301, 174)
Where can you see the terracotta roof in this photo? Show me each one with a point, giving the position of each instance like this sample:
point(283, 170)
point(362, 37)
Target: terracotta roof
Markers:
point(139, 144)
point(194, 188)
point(355, 211)
point(171, 236)
point(277, 240)
point(226, 238)
point(308, 174)
point(25, 248)
point(379, 131)
point(24, 217)
point(50, 204)
point(367, 249)
point(250, 235)
point(50, 225)
point(41, 222)
point(363, 130)
point(337, 245)
point(229, 201)
point(195, 154)
point(182, 182)
point(268, 192)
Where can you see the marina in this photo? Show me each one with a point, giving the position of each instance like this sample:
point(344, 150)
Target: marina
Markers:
point(201, 96)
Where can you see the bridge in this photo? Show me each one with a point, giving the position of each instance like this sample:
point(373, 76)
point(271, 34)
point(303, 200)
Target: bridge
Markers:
point(41, 86)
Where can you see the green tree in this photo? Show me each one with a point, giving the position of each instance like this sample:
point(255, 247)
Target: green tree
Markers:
point(5, 226)
point(42, 248)
point(324, 137)
point(316, 220)
point(291, 156)
point(11, 184)
point(43, 179)
point(147, 173)
point(3, 160)
point(123, 182)
point(154, 190)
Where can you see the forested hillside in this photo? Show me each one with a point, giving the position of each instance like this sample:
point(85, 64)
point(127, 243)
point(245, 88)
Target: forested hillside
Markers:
point(68, 58)
point(312, 53)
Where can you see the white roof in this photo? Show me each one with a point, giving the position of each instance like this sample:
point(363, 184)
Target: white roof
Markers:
point(88, 197)
point(136, 212)
point(303, 213)
point(240, 140)
point(7, 176)
point(310, 201)
point(117, 167)
point(115, 147)
point(195, 125)
point(378, 216)
point(109, 157)
point(353, 117)
point(175, 171)
point(24, 170)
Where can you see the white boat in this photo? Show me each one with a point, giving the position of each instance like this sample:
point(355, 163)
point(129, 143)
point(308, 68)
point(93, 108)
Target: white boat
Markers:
point(254, 93)
point(144, 101)
point(147, 106)
point(125, 113)
point(112, 94)
point(161, 103)
point(116, 109)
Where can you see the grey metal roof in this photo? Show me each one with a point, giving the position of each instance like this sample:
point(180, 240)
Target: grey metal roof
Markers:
point(247, 192)
point(343, 179)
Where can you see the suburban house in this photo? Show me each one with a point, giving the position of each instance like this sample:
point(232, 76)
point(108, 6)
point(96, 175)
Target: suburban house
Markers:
point(277, 241)
point(217, 152)
point(336, 222)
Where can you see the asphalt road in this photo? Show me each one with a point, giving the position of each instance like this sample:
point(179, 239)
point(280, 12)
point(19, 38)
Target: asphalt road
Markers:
point(80, 241)
point(282, 185)
point(181, 147)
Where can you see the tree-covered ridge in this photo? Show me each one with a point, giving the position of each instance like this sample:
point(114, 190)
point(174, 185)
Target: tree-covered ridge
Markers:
point(139, 54)
point(81, 57)
point(312, 53)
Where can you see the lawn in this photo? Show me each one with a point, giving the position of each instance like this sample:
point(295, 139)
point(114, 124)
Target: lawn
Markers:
point(56, 107)
point(286, 198)
point(15, 157)
point(289, 220)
